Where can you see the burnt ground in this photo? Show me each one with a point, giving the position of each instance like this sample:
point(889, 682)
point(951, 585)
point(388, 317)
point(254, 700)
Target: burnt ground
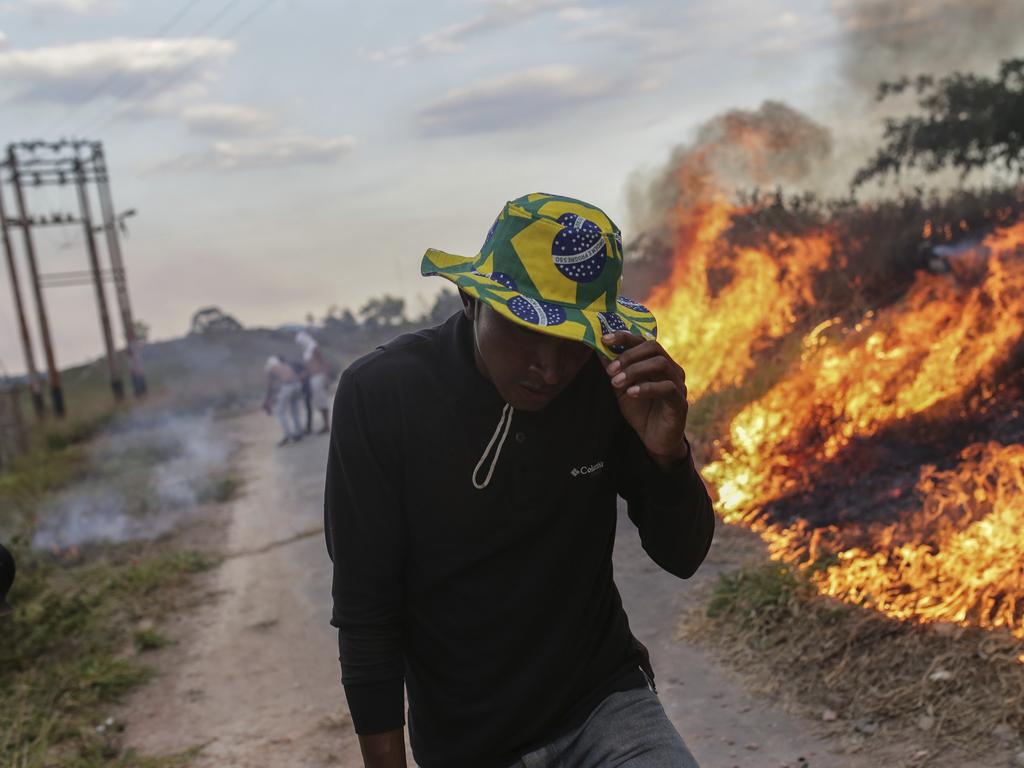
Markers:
point(252, 673)
point(871, 482)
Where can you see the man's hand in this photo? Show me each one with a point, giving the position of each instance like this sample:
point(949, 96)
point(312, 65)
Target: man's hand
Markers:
point(384, 750)
point(651, 390)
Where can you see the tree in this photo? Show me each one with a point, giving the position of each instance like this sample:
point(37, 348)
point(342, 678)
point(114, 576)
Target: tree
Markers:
point(969, 122)
point(340, 320)
point(141, 329)
point(210, 319)
point(383, 311)
point(445, 305)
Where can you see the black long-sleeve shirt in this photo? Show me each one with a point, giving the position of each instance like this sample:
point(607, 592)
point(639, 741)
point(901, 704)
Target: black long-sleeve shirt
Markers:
point(495, 608)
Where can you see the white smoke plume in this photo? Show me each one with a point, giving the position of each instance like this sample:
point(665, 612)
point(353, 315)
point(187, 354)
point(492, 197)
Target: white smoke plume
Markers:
point(146, 477)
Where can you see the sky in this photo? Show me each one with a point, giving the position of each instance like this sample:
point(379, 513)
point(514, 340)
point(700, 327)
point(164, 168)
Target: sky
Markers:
point(284, 156)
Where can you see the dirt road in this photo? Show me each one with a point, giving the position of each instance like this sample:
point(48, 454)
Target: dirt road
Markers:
point(253, 674)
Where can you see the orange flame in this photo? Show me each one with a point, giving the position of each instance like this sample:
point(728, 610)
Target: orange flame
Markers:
point(717, 332)
point(957, 558)
point(941, 341)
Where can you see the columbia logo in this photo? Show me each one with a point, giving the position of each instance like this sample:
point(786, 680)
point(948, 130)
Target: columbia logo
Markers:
point(587, 469)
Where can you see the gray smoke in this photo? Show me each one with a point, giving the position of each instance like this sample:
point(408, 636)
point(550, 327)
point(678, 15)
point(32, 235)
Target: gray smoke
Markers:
point(146, 476)
point(883, 39)
point(772, 145)
point(887, 41)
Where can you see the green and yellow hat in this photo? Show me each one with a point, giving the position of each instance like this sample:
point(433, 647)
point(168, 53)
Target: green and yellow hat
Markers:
point(552, 264)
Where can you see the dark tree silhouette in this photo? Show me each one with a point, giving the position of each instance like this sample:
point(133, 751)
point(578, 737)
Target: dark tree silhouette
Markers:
point(383, 311)
point(968, 122)
point(211, 319)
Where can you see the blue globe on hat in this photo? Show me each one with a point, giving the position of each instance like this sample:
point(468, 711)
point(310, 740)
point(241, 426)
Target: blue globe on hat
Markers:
point(579, 251)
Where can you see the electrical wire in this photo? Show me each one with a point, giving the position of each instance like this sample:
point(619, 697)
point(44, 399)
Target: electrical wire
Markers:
point(164, 28)
point(169, 82)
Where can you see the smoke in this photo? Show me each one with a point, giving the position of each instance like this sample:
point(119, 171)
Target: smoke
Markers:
point(146, 476)
point(886, 41)
point(883, 40)
point(772, 145)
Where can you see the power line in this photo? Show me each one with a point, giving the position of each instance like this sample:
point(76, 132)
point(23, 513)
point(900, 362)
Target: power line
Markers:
point(165, 83)
point(166, 27)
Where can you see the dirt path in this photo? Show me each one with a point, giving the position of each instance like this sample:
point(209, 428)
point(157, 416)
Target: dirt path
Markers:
point(253, 674)
point(724, 726)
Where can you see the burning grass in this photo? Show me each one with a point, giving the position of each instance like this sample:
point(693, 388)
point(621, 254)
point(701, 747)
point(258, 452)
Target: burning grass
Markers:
point(856, 372)
point(927, 353)
point(862, 671)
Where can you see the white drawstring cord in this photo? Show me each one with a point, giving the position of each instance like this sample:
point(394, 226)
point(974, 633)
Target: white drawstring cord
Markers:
point(508, 410)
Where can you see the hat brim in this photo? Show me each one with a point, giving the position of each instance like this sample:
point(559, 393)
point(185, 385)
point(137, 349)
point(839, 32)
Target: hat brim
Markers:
point(582, 324)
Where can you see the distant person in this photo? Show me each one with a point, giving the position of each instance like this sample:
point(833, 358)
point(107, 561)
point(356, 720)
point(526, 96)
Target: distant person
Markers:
point(316, 370)
point(307, 401)
point(283, 394)
point(7, 571)
point(470, 510)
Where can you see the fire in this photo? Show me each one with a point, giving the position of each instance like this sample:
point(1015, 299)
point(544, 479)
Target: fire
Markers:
point(968, 567)
point(956, 559)
point(940, 342)
point(717, 331)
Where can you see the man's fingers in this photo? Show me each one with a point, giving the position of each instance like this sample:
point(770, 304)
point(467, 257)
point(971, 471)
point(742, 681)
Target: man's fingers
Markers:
point(658, 368)
point(622, 339)
point(655, 390)
point(637, 349)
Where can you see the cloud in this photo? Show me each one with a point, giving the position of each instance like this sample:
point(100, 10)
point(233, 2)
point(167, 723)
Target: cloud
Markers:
point(225, 119)
point(3, 40)
point(512, 101)
point(276, 152)
point(657, 32)
point(77, 7)
point(788, 33)
point(497, 15)
point(116, 68)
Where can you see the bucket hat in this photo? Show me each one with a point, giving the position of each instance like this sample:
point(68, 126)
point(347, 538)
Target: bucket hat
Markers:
point(554, 265)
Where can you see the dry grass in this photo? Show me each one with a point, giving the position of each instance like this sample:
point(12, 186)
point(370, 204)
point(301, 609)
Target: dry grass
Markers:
point(958, 687)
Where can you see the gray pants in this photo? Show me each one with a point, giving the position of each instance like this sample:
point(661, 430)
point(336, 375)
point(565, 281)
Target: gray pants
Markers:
point(628, 729)
point(289, 396)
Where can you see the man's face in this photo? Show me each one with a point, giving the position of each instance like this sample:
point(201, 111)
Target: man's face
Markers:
point(529, 369)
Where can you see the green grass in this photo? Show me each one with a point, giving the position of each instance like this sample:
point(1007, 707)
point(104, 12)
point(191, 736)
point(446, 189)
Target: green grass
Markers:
point(148, 640)
point(70, 653)
point(221, 487)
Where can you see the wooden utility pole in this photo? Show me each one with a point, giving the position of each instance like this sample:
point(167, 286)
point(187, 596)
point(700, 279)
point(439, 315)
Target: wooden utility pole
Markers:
point(117, 267)
point(116, 384)
point(56, 392)
point(34, 387)
point(79, 163)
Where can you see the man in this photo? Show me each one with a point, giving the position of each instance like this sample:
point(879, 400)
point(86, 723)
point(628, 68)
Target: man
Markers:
point(470, 510)
point(316, 369)
point(307, 401)
point(282, 398)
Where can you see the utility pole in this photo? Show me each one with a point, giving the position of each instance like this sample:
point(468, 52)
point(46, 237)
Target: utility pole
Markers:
point(19, 307)
point(56, 392)
point(116, 384)
point(79, 163)
point(117, 265)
